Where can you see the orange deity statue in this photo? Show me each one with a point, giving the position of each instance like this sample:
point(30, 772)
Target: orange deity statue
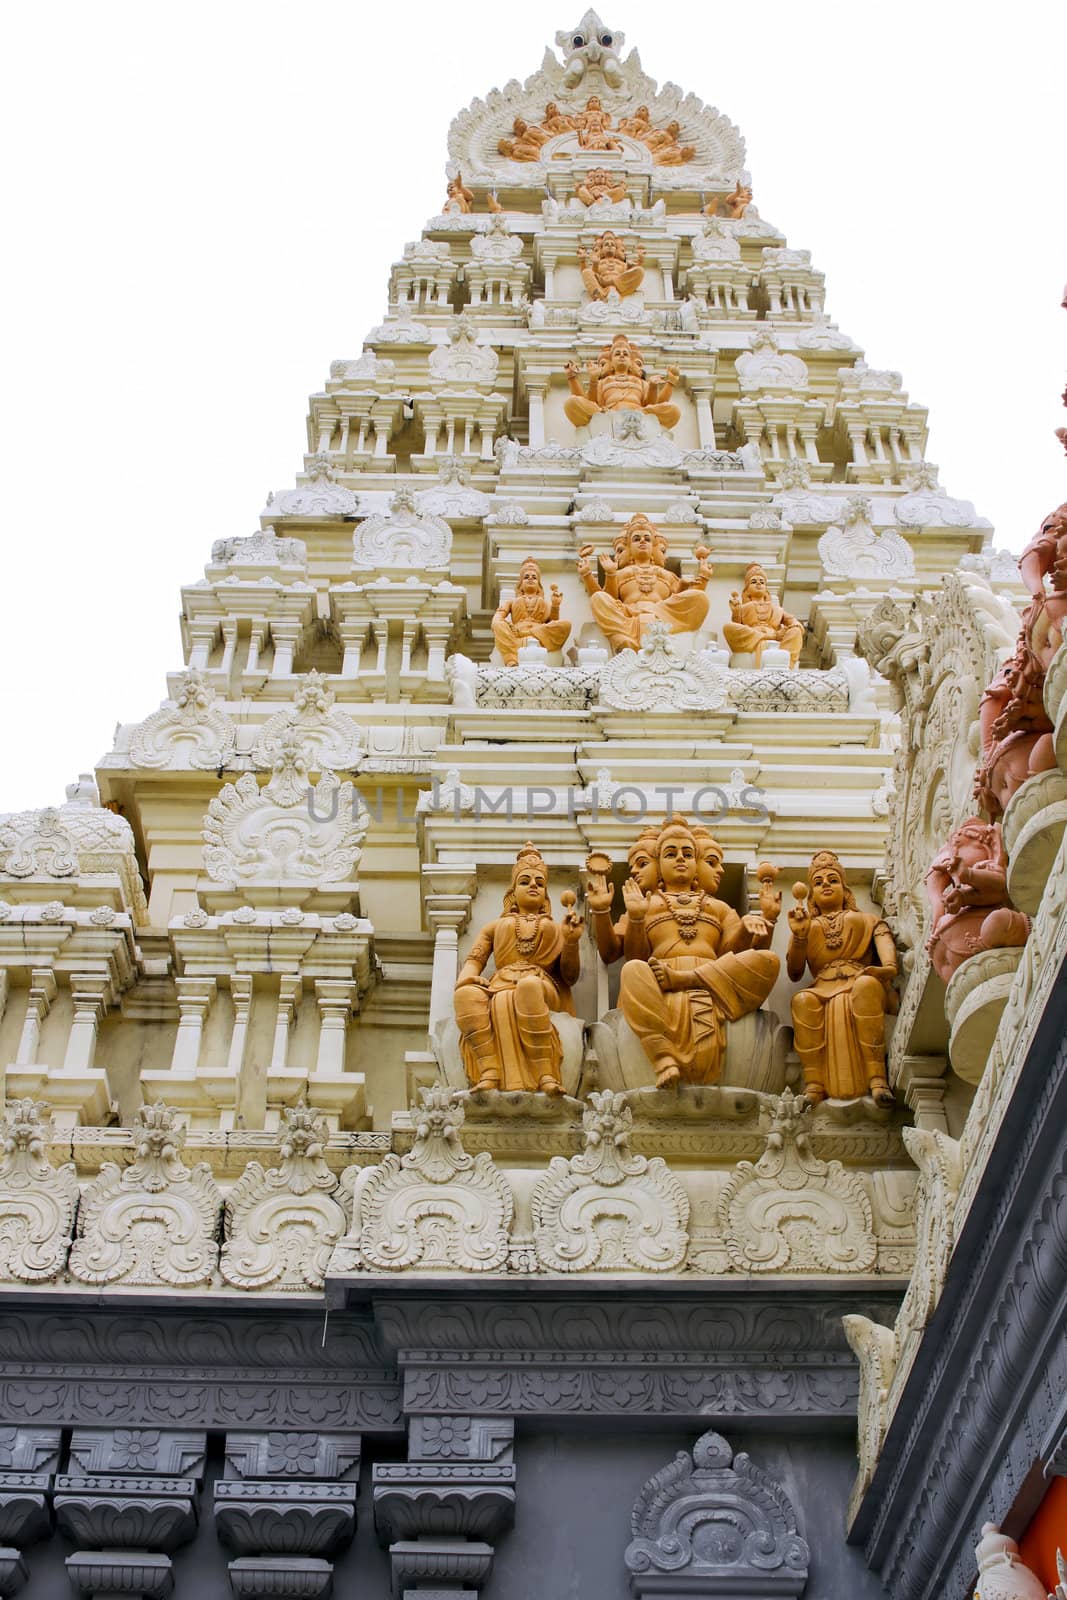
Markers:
point(666, 149)
point(599, 184)
point(459, 200)
point(556, 122)
point(639, 589)
point(525, 144)
point(593, 124)
point(967, 886)
point(839, 1021)
point(1015, 729)
point(507, 1038)
point(625, 937)
point(736, 203)
point(1045, 557)
point(528, 618)
point(757, 620)
point(610, 266)
point(638, 125)
point(700, 968)
point(617, 382)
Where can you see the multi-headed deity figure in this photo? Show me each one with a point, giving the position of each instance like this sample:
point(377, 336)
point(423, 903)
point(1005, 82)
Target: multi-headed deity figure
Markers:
point(599, 184)
point(507, 1038)
point(757, 619)
point(610, 266)
point(617, 382)
point(528, 618)
point(967, 886)
point(702, 966)
point(839, 1021)
point(639, 589)
point(593, 124)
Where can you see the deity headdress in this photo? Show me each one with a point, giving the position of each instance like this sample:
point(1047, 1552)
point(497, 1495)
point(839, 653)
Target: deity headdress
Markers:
point(620, 339)
point(644, 844)
point(529, 856)
point(823, 859)
point(677, 827)
point(530, 565)
point(751, 570)
point(622, 539)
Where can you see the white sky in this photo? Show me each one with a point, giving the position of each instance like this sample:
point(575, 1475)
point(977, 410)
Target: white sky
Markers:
point(203, 202)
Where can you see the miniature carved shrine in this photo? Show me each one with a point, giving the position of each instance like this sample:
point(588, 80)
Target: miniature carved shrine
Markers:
point(418, 957)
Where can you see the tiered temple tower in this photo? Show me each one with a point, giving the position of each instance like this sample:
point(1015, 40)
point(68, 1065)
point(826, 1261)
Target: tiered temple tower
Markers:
point(607, 524)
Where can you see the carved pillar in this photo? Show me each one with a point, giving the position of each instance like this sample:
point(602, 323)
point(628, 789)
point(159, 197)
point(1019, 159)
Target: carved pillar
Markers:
point(537, 415)
point(336, 997)
point(255, 645)
point(38, 1005)
point(286, 1504)
point(194, 1002)
point(436, 634)
point(201, 639)
point(439, 1512)
point(28, 1459)
point(129, 1498)
point(921, 1080)
point(285, 634)
point(380, 630)
point(705, 419)
point(407, 640)
point(448, 890)
point(229, 644)
point(91, 992)
point(290, 993)
point(352, 636)
point(241, 995)
point(857, 434)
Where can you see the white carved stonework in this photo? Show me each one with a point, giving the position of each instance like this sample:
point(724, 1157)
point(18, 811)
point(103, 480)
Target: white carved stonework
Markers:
point(452, 496)
point(405, 538)
point(282, 1224)
point(595, 511)
point(37, 1200)
point(509, 514)
point(497, 244)
point(856, 551)
point(791, 1212)
point(614, 308)
point(435, 1208)
point(286, 832)
point(400, 330)
point(659, 678)
point(608, 1209)
point(716, 242)
point(154, 1223)
point(874, 1346)
point(940, 1171)
point(926, 505)
point(188, 731)
point(262, 549)
point(631, 440)
point(319, 496)
point(463, 363)
point(822, 334)
point(524, 686)
point(764, 369)
point(328, 737)
point(1002, 1572)
point(79, 839)
point(369, 369)
point(998, 566)
point(795, 500)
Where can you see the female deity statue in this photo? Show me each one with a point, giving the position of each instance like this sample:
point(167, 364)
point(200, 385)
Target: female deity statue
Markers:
point(967, 886)
point(459, 200)
point(527, 616)
point(697, 975)
point(593, 124)
point(638, 588)
point(758, 619)
point(611, 267)
point(839, 1022)
point(617, 382)
point(507, 1039)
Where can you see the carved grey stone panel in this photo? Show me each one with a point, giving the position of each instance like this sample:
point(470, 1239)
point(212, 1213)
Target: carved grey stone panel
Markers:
point(451, 1562)
point(712, 1524)
point(461, 1439)
point(279, 1453)
point(127, 1521)
point(24, 1507)
point(30, 1449)
point(301, 1577)
point(443, 1500)
point(105, 1573)
point(13, 1573)
point(272, 1518)
point(176, 1452)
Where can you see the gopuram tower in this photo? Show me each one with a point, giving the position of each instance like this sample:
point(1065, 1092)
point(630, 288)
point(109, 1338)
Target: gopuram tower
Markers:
point(491, 1064)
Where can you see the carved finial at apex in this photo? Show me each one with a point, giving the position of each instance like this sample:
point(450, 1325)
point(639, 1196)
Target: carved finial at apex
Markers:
point(527, 617)
point(757, 619)
point(639, 590)
point(507, 1037)
point(590, 48)
point(700, 965)
point(839, 1020)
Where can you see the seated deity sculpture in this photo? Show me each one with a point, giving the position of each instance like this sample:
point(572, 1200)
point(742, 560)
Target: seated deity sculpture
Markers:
point(617, 382)
point(757, 620)
point(593, 124)
point(639, 589)
point(736, 203)
point(528, 618)
point(459, 200)
point(839, 1020)
point(600, 185)
point(555, 121)
point(610, 266)
point(507, 1038)
point(525, 145)
point(1016, 732)
point(1045, 557)
point(638, 125)
point(666, 149)
point(697, 974)
point(967, 886)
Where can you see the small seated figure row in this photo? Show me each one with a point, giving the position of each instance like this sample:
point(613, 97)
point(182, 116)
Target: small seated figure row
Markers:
point(593, 125)
point(640, 589)
point(692, 965)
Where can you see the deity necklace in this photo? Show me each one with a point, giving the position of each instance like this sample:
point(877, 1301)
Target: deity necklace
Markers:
point(685, 909)
point(525, 934)
point(833, 928)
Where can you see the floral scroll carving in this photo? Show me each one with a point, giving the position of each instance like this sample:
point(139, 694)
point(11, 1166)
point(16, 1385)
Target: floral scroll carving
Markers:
point(37, 1200)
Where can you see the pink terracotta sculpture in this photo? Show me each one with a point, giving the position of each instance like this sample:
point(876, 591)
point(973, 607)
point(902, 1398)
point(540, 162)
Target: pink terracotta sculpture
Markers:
point(1045, 557)
point(967, 886)
point(1015, 729)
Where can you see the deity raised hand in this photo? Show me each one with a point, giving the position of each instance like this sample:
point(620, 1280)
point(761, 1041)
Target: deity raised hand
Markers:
point(507, 1038)
point(627, 936)
point(528, 617)
point(600, 185)
point(610, 266)
point(639, 589)
point(757, 620)
point(839, 1021)
point(698, 973)
point(617, 382)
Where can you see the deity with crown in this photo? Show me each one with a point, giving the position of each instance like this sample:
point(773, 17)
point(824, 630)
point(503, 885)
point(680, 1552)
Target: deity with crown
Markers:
point(527, 617)
point(639, 589)
point(617, 382)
